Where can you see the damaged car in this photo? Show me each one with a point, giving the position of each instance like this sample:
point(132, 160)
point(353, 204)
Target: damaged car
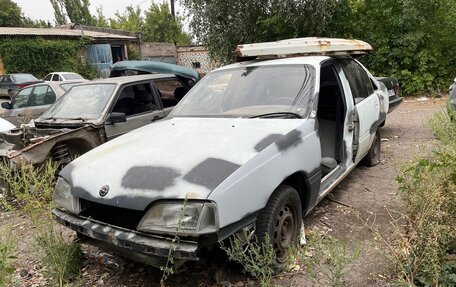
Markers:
point(90, 114)
point(251, 149)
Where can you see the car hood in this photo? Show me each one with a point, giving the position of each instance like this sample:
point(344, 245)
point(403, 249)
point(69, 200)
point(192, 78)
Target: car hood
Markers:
point(172, 159)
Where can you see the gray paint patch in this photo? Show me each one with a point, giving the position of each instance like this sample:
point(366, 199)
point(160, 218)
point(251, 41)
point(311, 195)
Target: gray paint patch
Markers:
point(150, 177)
point(291, 139)
point(211, 172)
point(267, 141)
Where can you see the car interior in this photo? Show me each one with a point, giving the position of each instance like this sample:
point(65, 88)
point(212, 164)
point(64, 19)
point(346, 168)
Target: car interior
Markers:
point(331, 114)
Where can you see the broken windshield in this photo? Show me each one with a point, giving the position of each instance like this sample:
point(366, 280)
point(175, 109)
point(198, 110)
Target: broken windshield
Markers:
point(250, 92)
point(81, 102)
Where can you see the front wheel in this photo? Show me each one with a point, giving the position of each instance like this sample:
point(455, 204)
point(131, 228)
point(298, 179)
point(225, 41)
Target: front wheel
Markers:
point(280, 220)
point(373, 155)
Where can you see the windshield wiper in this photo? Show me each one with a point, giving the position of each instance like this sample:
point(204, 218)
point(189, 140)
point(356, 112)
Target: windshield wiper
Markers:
point(278, 115)
point(45, 119)
point(73, 119)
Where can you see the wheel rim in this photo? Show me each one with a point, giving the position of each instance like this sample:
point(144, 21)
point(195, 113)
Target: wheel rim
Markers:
point(284, 231)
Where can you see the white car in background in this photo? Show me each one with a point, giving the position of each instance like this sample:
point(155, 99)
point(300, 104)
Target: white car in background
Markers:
point(63, 76)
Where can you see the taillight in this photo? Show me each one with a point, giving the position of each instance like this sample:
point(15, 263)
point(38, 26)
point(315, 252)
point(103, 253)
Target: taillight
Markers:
point(21, 86)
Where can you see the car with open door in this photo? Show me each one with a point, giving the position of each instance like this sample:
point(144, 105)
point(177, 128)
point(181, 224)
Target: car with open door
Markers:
point(251, 149)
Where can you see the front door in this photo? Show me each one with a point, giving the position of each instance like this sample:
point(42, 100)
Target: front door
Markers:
point(139, 104)
point(367, 107)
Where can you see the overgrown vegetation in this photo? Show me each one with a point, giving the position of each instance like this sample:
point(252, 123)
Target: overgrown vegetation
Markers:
point(257, 258)
point(326, 258)
point(29, 191)
point(6, 255)
point(41, 56)
point(427, 251)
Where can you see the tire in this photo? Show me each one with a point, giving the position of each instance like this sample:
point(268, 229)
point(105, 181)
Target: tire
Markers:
point(373, 155)
point(282, 211)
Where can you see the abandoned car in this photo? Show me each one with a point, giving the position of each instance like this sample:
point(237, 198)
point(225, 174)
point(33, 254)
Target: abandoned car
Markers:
point(91, 114)
point(253, 147)
point(33, 100)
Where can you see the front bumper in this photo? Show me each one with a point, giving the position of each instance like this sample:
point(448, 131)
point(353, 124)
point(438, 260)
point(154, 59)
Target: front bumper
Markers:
point(130, 243)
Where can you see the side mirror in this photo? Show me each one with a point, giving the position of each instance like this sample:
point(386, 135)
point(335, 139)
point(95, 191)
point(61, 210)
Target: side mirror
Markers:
point(6, 105)
point(117, 118)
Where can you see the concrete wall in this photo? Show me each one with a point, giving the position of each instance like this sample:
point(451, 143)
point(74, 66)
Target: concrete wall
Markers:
point(160, 52)
point(195, 57)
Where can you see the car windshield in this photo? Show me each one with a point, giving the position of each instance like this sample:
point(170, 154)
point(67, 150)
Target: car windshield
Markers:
point(23, 78)
point(71, 76)
point(67, 86)
point(251, 92)
point(81, 102)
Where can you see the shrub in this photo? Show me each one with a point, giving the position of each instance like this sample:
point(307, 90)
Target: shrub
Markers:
point(6, 255)
point(428, 188)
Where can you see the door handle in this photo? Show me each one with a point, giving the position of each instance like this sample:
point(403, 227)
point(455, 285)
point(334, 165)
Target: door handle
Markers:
point(20, 115)
point(351, 127)
point(155, 118)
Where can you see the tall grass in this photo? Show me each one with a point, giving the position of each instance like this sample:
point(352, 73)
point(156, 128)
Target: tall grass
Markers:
point(428, 189)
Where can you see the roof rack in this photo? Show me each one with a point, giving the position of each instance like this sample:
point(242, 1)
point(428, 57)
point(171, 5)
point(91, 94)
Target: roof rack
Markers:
point(301, 47)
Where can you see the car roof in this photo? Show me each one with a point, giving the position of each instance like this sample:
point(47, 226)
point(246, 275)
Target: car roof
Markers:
point(302, 46)
point(129, 79)
point(303, 60)
point(155, 67)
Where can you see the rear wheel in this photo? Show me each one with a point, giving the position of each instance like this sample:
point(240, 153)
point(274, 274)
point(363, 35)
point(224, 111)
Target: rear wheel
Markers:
point(373, 155)
point(280, 220)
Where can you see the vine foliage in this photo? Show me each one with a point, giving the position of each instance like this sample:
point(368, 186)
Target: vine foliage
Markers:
point(40, 56)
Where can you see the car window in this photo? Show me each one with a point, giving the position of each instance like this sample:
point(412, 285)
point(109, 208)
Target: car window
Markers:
point(67, 86)
point(71, 76)
point(1, 78)
point(360, 84)
point(6, 79)
point(50, 96)
point(21, 99)
point(38, 96)
point(82, 102)
point(135, 99)
point(23, 78)
point(171, 91)
point(251, 91)
point(48, 77)
point(55, 77)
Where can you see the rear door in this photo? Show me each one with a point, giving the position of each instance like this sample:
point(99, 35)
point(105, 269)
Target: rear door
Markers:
point(18, 113)
point(139, 103)
point(40, 100)
point(367, 107)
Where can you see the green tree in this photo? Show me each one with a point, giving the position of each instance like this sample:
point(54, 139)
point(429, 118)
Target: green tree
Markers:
point(221, 25)
point(77, 11)
point(161, 26)
point(129, 20)
point(10, 14)
point(99, 20)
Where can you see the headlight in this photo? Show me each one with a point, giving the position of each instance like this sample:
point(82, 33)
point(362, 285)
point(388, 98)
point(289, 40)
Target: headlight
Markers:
point(63, 198)
point(185, 218)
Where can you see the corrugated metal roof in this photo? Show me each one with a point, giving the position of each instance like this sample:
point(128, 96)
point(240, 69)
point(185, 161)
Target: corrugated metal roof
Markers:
point(13, 31)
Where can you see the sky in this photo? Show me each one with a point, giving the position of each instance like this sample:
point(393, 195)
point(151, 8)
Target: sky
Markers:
point(42, 9)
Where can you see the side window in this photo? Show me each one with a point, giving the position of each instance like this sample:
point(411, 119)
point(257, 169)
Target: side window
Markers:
point(171, 91)
point(21, 99)
point(50, 96)
point(358, 79)
point(7, 79)
point(135, 99)
point(38, 96)
point(55, 77)
point(48, 77)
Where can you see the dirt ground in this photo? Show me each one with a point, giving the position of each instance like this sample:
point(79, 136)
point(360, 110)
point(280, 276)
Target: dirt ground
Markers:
point(366, 199)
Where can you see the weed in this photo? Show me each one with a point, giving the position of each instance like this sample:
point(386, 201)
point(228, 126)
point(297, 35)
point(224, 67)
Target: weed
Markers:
point(426, 253)
point(168, 269)
point(6, 255)
point(29, 189)
point(326, 258)
point(257, 258)
point(62, 257)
